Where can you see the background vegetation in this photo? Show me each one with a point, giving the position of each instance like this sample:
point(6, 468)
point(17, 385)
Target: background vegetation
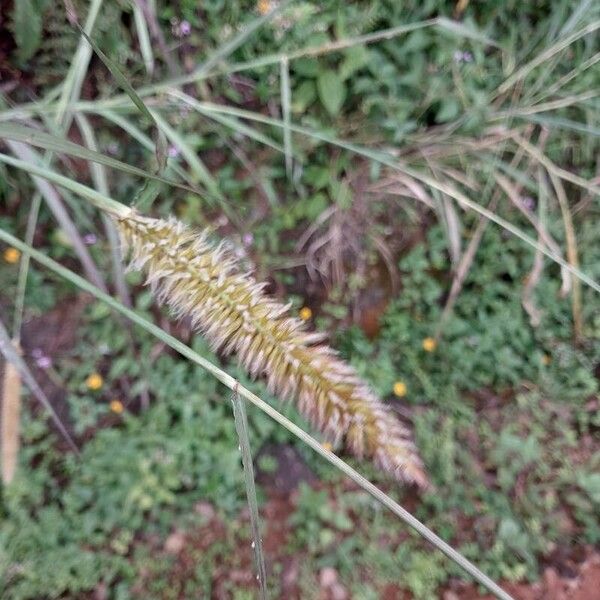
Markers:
point(353, 180)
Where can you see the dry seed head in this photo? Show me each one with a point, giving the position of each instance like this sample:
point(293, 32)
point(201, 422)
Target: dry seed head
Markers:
point(202, 281)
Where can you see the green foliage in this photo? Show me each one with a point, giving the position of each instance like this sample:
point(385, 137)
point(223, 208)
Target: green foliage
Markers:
point(488, 341)
point(501, 409)
point(27, 26)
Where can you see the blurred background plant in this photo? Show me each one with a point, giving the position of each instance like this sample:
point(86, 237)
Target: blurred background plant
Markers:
point(356, 154)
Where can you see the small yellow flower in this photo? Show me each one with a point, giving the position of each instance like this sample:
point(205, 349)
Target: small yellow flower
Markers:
point(11, 255)
point(94, 381)
point(263, 6)
point(400, 389)
point(327, 446)
point(429, 344)
point(546, 359)
point(305, 313)
point(117, 406)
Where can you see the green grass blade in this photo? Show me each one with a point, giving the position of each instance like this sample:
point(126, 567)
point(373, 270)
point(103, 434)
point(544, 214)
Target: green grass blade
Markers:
point(47, 141)
point(233, 384)
point(464, 31)
point(101, 183)
point(72, 86)
point(32, 218)
point(286, 111)
point(96, 198)
point(136, 133)
point(56, 206)
point(547, 54)
point(561, 123)
point(143, 38)
point(233, 123)
point(199, 169)
point(161, 143)
point(241, 426)
point(449, 190)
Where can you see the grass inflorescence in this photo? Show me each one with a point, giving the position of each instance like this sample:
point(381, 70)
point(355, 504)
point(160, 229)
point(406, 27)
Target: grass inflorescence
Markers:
point(203, 281)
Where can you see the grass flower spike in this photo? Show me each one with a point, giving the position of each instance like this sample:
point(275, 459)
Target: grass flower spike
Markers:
point(201, 280)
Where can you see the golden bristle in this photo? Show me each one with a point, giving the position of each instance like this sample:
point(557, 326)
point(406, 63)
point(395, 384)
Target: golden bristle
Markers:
point(202, 281)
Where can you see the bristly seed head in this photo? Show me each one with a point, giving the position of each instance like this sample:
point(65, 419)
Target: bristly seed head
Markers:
point(229, 308)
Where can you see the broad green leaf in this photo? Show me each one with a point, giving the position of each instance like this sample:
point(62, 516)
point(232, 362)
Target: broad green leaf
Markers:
point(449, 109)
point(304, 96)
point(355, 58)
point(306, 67)
point(332, 91)
point(27, 27)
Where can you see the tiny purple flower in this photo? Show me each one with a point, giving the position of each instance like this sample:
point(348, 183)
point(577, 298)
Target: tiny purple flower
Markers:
point(247, 239)
point(89, 239)
point(173, 152)
point(44, 362)
point(528, 203)
point(462, 57)
point(185, 28)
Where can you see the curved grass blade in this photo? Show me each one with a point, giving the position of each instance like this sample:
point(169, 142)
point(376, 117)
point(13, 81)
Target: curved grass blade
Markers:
point(72, 86)
point(233, 384)
point(521, 73)
point(101, 183)
point(161, 142)
point(96, 198)
point(54, 201)
point(390, 161)
point(47, 141)
point(143, 38)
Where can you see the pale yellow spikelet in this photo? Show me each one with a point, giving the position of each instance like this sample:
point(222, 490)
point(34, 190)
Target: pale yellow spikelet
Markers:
point(201, 280)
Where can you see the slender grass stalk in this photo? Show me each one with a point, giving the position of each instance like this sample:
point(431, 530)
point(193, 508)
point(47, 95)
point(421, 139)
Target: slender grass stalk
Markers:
point(56, 206)
point(143, 38)
point(205, 71)
point(286, 99)
point(56, 144)
point(390, 161)
point(241, 426)
point(97, 199)
point(32, 218)
point(100, 180)
point(562, 81)
point(121, 79)
point(69, 92)
point(561, 45)
point(572, 253)
point(71, 88)
point(233, 384)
